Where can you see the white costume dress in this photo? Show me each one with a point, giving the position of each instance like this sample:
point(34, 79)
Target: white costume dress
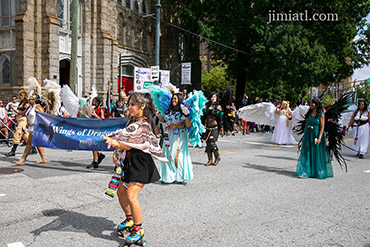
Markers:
point(283, 133)
point(31, 115)
point(361, 132)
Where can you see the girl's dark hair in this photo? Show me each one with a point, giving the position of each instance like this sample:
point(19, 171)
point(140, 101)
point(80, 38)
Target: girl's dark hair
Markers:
point(99, 100)
point(177, 107)
point(144, 99)
point(209, 103)
point(319, 108)
point(358, 106)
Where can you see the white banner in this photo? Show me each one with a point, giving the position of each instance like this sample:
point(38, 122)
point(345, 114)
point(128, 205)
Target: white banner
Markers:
point(315, 92)
point(142, 79)
point(186, 73)
point(165, 77)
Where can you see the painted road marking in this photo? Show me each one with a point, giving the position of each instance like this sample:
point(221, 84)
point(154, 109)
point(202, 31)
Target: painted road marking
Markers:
point(368, 171)
point(271, 148)
point(2, 194)
point(17, 244)
point(227, 152)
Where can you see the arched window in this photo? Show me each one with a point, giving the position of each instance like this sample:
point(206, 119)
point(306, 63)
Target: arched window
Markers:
point(8, 10)
point(136, 6)
point(5, 70)
point(181, 46)
point(64, 13)
point(144, 7)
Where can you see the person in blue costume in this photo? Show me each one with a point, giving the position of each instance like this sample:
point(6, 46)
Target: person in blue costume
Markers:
point(314, 160)
point(179, 168)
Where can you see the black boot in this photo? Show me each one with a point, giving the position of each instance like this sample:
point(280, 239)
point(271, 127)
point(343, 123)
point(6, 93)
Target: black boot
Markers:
point(33, 150)
point(12, 152)
point(217, 158)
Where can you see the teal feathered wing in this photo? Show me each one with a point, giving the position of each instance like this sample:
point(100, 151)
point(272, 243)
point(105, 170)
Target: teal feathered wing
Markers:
point(161, 98)
point(196, 102)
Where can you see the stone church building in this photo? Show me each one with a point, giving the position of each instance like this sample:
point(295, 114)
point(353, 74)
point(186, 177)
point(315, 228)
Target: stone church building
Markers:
point(35, 40)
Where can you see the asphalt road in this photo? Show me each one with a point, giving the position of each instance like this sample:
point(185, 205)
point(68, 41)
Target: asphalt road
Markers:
point(253, 198)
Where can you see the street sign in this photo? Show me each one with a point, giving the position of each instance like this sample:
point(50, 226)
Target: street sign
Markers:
point(155, 73)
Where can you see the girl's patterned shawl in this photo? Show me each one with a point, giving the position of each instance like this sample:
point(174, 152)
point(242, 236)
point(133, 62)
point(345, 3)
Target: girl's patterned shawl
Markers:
point(139, 135)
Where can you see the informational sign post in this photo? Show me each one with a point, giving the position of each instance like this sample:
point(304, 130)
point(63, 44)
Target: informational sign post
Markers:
point(186, 73)
point(155, 73)
point(315, 92)
point(142, 79)
point(165, 77)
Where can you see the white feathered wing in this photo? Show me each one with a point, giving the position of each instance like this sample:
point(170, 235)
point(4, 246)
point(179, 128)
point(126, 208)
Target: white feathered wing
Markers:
point(70, 101)
point(52, 96)
point(298, 114)
point(33, 86)
point(261, 113)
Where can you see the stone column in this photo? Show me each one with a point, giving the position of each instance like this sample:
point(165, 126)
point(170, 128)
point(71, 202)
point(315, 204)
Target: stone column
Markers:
point(25, 48)
point(50, 41)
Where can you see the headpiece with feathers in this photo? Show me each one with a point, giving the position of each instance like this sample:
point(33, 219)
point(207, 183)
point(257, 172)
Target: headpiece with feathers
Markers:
point(173, 89)
point(33, 87)
point(52, 96)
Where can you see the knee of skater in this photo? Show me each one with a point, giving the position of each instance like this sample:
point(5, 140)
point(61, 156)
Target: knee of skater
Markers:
point(131, 197)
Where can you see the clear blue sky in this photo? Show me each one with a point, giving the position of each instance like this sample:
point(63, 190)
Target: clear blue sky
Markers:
point(363, 73)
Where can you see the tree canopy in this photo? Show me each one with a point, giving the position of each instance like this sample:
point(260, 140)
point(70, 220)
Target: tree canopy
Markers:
point(282, 58)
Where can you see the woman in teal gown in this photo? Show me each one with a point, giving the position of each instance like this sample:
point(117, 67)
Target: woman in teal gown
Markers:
point(179, 168)
point(314, 160)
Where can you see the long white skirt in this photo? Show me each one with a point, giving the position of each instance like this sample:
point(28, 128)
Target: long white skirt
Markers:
point(362, 133)
point(282, 133)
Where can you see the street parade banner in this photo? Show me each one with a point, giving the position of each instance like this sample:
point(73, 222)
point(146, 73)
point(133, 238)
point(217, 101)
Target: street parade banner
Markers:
point(186, 73)
point(52, 131)
point(142, 80)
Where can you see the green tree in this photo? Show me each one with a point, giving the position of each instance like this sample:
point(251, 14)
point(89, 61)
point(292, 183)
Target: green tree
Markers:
point(363, 92)
point(290, 56)
point(216, 80)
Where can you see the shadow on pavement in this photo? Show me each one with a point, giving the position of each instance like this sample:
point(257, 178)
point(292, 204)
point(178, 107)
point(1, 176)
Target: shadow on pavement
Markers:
point(277, 157)
point(69, 166)
point(68, 221)
point(198, 163)
point(276, 170)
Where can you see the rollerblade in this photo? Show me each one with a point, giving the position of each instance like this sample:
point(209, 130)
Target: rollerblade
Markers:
point(135, 239)
point(124, 229)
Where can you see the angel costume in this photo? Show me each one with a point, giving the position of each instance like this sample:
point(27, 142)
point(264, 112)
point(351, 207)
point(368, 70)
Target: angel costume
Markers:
point(283, 130)
point(264, 113)
point(314, 160)
point(361, 132)
point(138, 162)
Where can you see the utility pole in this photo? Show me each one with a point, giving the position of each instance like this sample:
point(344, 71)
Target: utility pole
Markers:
point(158, 31)
point(73, 70)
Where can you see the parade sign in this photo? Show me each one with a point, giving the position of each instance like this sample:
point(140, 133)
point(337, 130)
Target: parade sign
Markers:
point(186, 73)
point(165, 77)
point(142, 80)
point(52, 131)
point(155, 73)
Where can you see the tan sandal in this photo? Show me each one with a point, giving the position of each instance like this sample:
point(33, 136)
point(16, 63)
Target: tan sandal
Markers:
point(18, 163)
